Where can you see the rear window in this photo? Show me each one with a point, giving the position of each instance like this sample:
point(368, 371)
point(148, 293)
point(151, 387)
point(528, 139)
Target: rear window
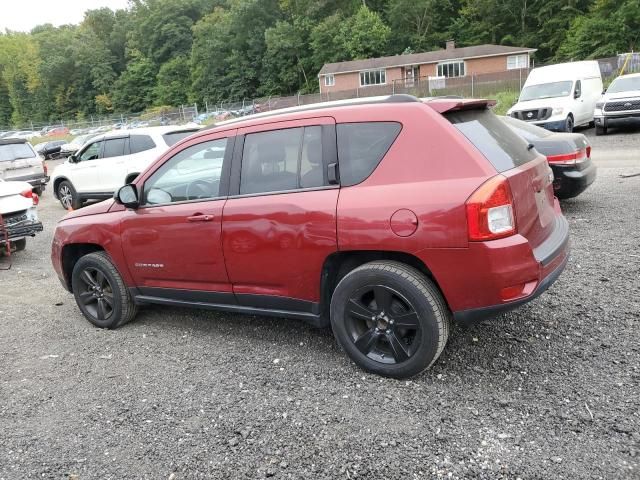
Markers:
point(495, 140)
point(14, 151)
point(140, 143)
point(361, 147)
point(172, 138)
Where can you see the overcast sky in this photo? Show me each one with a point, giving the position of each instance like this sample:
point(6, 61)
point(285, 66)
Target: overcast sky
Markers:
point(23, 15)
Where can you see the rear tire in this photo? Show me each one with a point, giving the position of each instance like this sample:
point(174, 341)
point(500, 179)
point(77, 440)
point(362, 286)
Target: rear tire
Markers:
point(100, 292)
point(601, 130)
point(390, 319)
point(68, 196)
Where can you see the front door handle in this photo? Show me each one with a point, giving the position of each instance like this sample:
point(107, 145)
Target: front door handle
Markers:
point(198, 217)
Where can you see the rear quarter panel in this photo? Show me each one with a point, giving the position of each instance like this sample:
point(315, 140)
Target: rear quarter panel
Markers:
point(429, 170)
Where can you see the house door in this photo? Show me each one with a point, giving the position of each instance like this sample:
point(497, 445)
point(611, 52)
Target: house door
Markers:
point(411, 74)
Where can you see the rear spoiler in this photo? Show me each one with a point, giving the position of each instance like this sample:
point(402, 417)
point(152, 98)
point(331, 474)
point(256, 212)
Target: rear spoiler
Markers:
point(442, 105)
point(12, 141)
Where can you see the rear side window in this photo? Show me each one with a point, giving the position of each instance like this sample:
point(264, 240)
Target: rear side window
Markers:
point(114, 147)
point(361, 147)
point(140, 143)
point(172, 138)
point(501, 145)
point(282, 160)
point(14, 151)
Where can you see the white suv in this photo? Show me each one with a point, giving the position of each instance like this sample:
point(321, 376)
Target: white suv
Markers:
point(109, 161)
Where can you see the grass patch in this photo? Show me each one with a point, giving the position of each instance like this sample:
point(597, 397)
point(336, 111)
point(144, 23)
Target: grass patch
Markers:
point(504, 101)
point(36, 140)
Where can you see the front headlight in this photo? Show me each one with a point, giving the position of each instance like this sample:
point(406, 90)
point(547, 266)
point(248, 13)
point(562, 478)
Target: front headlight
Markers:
point(557, 111)
point(599, 105)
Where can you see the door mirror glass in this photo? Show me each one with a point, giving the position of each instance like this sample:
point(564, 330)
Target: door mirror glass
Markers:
point(156, 196)
point(128, 196)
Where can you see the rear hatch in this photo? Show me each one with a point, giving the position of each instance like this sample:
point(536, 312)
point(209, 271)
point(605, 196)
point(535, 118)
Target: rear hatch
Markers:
point(18, 160)
point(528, 173)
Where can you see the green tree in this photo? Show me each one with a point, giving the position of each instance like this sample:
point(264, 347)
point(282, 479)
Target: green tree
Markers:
point(364, 34)
point(173, 82)
point(133, 91)
point(610, 27)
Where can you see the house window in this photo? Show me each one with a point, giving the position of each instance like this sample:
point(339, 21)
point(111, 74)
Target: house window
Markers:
point(373, 77)
point(329, 80)
point(517, 61)
point(451, 69)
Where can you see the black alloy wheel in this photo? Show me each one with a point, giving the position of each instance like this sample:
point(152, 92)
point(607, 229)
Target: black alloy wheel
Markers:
point(382, 324)
point(97, 295)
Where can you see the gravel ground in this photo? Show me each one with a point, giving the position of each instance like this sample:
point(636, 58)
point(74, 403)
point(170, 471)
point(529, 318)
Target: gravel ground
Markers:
point(548, 391)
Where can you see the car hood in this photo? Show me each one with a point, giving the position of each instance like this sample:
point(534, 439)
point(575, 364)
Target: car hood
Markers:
point(621, 95)
point(540, 103)
point(95, 209)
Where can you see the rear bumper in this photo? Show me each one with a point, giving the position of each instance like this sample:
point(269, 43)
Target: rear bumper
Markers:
point(21, 230)
point(571, 180)
point(548, 262)
point(38, 180)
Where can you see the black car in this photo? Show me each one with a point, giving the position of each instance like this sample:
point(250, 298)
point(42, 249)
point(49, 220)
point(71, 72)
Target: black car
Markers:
point(50, 150)
point(568, 154)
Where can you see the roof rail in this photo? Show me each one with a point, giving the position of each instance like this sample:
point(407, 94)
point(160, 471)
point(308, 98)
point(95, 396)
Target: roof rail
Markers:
point(398, 98)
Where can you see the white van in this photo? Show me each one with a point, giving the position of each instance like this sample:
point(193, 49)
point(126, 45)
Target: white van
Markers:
point(560, 97)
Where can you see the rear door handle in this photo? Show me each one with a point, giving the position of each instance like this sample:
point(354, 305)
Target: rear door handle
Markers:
point(198, 217)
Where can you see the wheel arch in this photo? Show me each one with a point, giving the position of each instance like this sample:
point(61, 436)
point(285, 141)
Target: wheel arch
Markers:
point(56, 183)
point(339, 264)
point(71, 253)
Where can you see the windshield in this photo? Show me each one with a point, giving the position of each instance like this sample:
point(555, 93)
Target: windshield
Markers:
point(14, 151)
point(624, 84)
point(546, 90)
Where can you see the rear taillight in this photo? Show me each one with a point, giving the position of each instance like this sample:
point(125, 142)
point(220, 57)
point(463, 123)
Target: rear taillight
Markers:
point(570, 158)
point(490, 211)
point(33, 196)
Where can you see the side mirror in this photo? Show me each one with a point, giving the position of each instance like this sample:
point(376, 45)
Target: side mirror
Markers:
point(604, 91)
point(128, 196)
point(577, 94)
point(72, 159)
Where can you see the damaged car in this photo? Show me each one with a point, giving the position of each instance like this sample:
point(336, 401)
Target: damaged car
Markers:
point(18, 215)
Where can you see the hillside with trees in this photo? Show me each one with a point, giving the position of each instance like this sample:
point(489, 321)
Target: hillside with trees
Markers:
point(169, 52)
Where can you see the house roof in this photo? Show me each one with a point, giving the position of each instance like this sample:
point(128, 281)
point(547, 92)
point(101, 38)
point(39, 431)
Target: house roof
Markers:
point(421, 58)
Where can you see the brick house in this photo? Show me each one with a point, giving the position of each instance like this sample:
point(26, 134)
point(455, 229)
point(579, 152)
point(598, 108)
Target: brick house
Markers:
point(450, 62)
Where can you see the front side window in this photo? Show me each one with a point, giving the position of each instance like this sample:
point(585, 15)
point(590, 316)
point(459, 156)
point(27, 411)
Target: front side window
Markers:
point(281, 160)
point(329, 80)
point(517, 61)
point(361, 147)
point(192, 174)
point(92, 152)
point(451, 69)
point(373, 77)
point(114, 147)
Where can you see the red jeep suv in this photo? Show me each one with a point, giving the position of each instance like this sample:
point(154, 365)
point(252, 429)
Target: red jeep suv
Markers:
point(385, 218)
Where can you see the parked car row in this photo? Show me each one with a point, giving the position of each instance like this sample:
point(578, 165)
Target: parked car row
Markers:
point(320, 213)
point(563, 96)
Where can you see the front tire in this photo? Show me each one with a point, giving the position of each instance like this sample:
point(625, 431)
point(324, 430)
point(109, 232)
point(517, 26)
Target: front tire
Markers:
point(568, 124)
point(100, 292)
point(390, 319)
point(68, 196)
